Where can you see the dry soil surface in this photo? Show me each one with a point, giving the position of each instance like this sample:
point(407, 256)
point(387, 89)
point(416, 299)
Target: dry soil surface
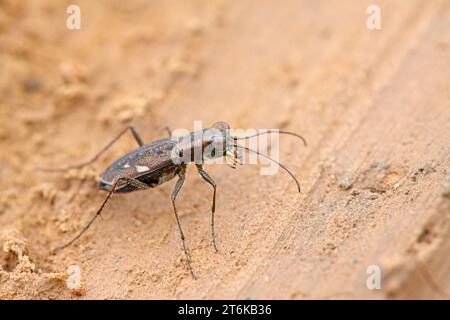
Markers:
point(374, 106)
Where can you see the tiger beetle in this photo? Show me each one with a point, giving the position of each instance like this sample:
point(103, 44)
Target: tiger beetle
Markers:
point(153, 164)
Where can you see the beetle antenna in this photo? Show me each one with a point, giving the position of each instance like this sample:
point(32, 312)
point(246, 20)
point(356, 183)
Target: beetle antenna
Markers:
point(274, 131)
point(273, 160)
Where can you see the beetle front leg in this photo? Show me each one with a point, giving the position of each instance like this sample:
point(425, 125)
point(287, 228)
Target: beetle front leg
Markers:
point(210, 180)
point(179, 184)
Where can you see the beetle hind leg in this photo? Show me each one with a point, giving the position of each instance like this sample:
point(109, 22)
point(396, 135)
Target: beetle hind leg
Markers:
point(138, 184)
point(136, 136)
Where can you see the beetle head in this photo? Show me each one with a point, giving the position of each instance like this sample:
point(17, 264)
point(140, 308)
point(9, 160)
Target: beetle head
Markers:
point(218, 142)
point(207, 144)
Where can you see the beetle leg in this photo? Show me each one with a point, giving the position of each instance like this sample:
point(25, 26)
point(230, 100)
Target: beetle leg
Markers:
point(138, 184)
point(136, 136)
point(177, 189)
point(168, 130)
point(210, 180)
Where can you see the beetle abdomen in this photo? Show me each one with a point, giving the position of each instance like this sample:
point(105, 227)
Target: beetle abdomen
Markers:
point(160, 176)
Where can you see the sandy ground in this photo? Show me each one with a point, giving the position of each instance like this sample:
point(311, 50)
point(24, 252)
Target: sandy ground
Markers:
point(373, 105)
